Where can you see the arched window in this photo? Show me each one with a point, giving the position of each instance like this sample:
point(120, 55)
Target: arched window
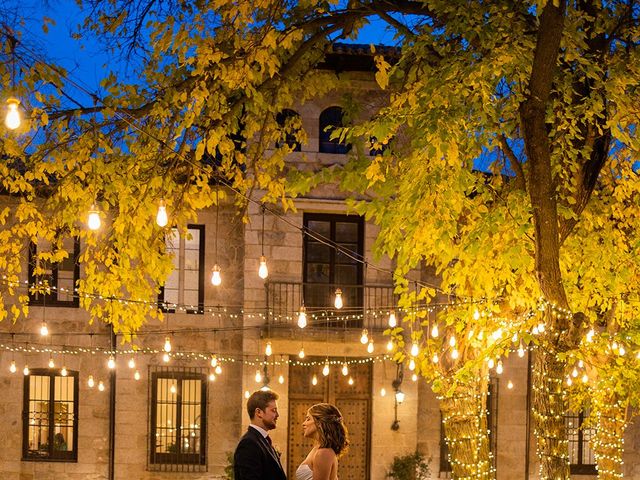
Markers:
point(290, 125)
point(330, 119)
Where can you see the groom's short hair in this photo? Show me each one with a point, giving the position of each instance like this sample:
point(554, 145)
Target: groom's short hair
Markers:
point(260, 399)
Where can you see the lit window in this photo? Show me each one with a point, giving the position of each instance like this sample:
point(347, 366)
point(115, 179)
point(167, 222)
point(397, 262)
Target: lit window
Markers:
point(50, 428)
point(58, 277)
point(185, 285)
point(178, 419)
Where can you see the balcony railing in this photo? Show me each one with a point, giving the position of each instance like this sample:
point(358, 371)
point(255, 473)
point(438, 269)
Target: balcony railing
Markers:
point(364, 306)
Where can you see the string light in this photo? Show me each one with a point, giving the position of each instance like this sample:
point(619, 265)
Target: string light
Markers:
point(302, 317)
point(455, 354)
point(101, 386)
point(399, 396)
point(281, 379)
point(167, 344)
point(434, 331)
point(214, 361)
point(25, 371)
point(490, 363)
point(509, 384)
point(268, 350)
point(390, 345)
point(111, 363)
point(12, 120)
point(218, 370)
point(136, 375)
point(452, 341)
point(173, 389)
point(476, 314)
point(132, 363)
point(258, 376)
point(12, 367)
point(415, 349)
point(383, 392)
point(263, 270)
point(91, 382)
point(392, 319)
point(338, 300)
point(301, 352)
point(44, 330)
point(521, 350)
point(64, 372)
point(435, 358)
point(414, 377)
point(345, 369)
point(166, 357)
point(326, 369)
point(314, 380)
point(364, 338)
point(350, 381)
point(212, 377)
point(412, 364)
point(51, 362)
point(162, 219)
point(247, 394)
point(499, 368)
point(93, 219)
point(216, 277)
point(370, 347)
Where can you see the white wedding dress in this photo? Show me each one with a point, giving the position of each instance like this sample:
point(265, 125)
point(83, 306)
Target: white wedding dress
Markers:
point(304, 472)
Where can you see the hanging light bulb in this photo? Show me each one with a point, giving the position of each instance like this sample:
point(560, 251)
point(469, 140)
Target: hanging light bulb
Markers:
point(497, 335)
point(12, 120)
point(212, 377)
point(301, 352)
point(569, 381)
point(111, 363)
point(491, 363)
point(314, 380)
point(412, 364)
point(302, 317)
point(521, 350)
point(216, 278)
point(415, 349)
point(452, 341)
point(51, 363)
point(263, 271)
point(167, 344)
point(510, 385)
point(392, 320)
point(90, 381)
point(258, 376)
point(580, 363)
point(161, 217)
point(173, 389)
point(350, 380)
point(514, 338)
point(435, 358)
point(281, 379)
point(64, 372)
point(166, 357)
point(541, 327)
point(44, 330)
point(585, 378)
point(132, 363)
point(326, 369)
point(93, 220)
point(214, 361)
point(370, 347)
point(383, 392)
point(218, 370)
point(455, 354)
point(476, 314)
point(338, 300)
point(574, 373)
point(414, 377)
point(268, 350)
point(101, 386)
point(136, 375)
point(25, 370)
point(345, 369)
point(12, 367)
point(399, 396)
point(364, 338)
point(535, 330)
point(590, 335)
point(434, 331)
point(390, 345)
point(621, 351)
point(499, 367)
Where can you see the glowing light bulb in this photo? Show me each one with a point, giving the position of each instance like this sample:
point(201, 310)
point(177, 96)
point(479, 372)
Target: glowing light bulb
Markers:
point(392, 319)
point(44, 330)
point(25, 370)
point(301, 353)
point(574, 373)
point(499, 368)
point(491, 363)
point(412, 364)
point(415, 349)
point(383, 392)
point(214, 361)
point(476, 314)
point(350, 381)
point(434, 331)
point(569, 381)
point(302, 317)
point(414, 377)
point(497, 335)
point(64, 372)
point(101, 386)
point(51, 362)
point(370, 347)
point(621, 351)
point(136, 375)
point(281, 379)
point(455, 354)
point(173, 389)
point(93, 219)
point(216, 278)
point(268, 350)
point(212, 377)
point(452, 341)
point(399, 396)
point(132, 363)
point(541, 328)
point(590, 335)
point(166, 357)
point(364, 338)
point(91, 382)
point(509, 384)
point(585, 378)
point(167, 344)
point(246, 394)
point(326, 369)
point(521, 351)
point(580, 363)
point(514, 338)
point(263, 271)
point(12, 367)
point(161, 217)
point(111, 363)
point(218, 370)
point(345, 369)
point(435, 358)
point(338, 300)
point(258, 376)
point(314, 379)
point(390, 345)
point(12, 120)
point(535, 330)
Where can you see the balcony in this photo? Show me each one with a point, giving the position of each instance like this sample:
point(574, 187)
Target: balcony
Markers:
point(364, 306)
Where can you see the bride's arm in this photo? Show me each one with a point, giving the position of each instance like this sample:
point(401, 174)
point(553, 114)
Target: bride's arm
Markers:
point(322, 463)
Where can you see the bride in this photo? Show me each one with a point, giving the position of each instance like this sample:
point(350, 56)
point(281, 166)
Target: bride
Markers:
point(324, 425)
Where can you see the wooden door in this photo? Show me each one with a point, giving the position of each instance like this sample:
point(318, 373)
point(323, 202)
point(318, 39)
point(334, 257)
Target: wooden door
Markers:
point(354, 401)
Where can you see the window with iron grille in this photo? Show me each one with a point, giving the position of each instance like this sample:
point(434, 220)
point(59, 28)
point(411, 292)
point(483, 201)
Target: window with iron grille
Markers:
point(50, 416)
point(60, 277)
point(178, 420)
point(327, 268)
point(581, 457)
point(185, 284)
point(492, 423)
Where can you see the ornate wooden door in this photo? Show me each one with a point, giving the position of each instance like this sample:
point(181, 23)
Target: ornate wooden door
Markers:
point(354, 401)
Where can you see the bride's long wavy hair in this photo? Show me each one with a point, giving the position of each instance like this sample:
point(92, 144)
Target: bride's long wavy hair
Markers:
point(332, 432)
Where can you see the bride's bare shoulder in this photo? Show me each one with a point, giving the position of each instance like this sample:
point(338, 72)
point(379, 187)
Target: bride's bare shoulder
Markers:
point(325, 454)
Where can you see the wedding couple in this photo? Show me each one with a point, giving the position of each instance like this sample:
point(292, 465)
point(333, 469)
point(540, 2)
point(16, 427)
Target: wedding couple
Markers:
point(256, 458)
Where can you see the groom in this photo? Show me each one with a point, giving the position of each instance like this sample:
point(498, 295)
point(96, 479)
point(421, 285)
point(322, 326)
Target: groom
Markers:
point(255, 458)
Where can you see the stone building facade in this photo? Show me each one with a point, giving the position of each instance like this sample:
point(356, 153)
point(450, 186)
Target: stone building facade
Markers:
point(108, 433)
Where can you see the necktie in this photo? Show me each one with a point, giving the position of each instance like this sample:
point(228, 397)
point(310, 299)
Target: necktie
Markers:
point(270, 442)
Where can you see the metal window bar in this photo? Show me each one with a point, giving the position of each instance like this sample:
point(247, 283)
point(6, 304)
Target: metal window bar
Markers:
point(581, 457)
point(177, 420)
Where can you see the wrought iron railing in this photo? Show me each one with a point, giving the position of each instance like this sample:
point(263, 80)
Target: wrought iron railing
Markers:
point(364, 306)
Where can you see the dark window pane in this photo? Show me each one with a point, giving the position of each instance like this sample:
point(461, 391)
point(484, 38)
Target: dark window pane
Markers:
point(318, 252)
point(346, 275)
point(320, 227)
point(330, 119)
point(347, 253)
point(347, 232)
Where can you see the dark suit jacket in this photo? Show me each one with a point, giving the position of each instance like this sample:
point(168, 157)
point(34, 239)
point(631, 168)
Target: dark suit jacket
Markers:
point(255, 459)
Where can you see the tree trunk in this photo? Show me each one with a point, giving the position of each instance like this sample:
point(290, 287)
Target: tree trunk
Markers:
point(549, 407)
point(464, 417)
point(610, 417)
